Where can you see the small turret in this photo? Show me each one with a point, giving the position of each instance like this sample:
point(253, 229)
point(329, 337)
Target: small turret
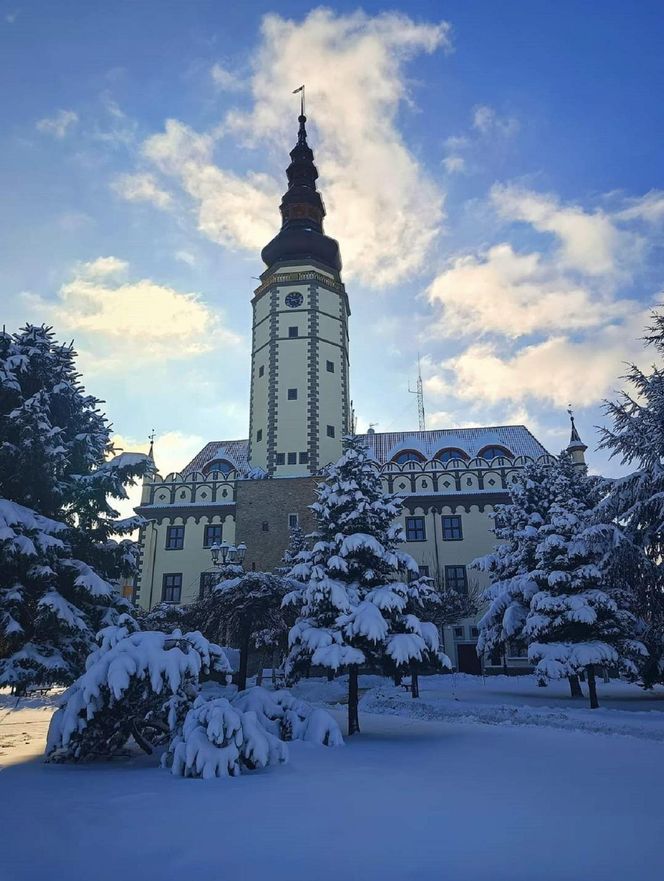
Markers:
point(576, 447)
point(148, 478)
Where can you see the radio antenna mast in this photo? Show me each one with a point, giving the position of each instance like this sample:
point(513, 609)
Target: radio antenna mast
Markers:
point(419, 391)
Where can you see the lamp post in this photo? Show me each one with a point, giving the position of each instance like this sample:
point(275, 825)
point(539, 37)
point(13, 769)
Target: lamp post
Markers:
point(229, 557)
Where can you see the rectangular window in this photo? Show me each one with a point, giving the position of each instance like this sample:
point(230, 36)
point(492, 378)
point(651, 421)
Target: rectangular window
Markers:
point(452, 528)
point(304, 458)
point(292, 332)
point(259, 435)
point(171, 587)
point(474, 632)
point(415, 529)
point(281, 458)
point(174, 538)
point(292, 521)
point(292, 394)
point(207, 582)
point(292, 458)
point(458, 633)
point(424, 571)
point(261, 370)
point(329, 366)
point(212, 535)
point(330, 430)
point(456, 579)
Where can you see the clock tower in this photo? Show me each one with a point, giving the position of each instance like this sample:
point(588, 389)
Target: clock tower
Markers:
point(300, 407)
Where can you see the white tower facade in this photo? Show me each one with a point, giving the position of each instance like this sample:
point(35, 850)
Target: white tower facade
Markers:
point(300, 407)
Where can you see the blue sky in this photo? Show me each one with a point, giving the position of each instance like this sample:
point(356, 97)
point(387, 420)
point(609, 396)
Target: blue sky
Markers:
point(493, 173)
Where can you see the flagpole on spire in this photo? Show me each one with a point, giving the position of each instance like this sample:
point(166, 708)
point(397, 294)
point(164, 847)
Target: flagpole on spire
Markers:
point(301, 90)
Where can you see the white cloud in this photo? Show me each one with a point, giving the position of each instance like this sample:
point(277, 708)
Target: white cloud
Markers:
point(102, 267)
point(185, 257)
point(368, 174)
point(512, 294)
point(649, 208)
point(122, 323)
point(235, 211)
point(58, 125)
point(558, 370)
point(488, 122)
point(589, 241)
point(141, 188)
point(224, 79)
point(454, 164)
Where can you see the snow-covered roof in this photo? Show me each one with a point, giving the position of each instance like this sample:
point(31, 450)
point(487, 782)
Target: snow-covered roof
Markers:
point(516, 438)
point(234, 451)
point(386, 444)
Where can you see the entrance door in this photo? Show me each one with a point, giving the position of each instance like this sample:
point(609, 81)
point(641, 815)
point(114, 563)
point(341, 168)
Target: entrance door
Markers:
point(467, 659)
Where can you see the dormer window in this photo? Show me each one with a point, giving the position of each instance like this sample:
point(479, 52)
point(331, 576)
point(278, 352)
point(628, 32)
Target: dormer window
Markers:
point(449, 454)
point(406, 456)
point(495, 452)
point(220, 465)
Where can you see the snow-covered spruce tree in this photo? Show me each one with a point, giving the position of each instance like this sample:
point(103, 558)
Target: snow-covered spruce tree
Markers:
point(636, 502)
point(137, 684)
point(58, 558)
point(354, 606)
point(574, 623)
point(297, 541)
point(511, 564)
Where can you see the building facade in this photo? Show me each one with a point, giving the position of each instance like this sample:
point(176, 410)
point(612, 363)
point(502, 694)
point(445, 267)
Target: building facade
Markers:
point(257, 489)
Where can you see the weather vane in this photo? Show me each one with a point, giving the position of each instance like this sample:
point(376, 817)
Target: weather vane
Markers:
point(295, 91)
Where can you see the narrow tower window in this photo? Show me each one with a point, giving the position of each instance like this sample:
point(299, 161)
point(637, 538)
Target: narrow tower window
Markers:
point(261, 370)
point(292, 332)
point(330, 431)
point(259, 435)
point(292, 394)
point(329, 366)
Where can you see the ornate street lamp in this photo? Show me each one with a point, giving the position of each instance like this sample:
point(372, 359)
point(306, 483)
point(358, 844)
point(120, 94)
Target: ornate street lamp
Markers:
point(225, 554)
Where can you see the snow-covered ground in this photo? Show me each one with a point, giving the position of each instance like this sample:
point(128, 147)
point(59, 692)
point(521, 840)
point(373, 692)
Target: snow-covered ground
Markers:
point(409, 798)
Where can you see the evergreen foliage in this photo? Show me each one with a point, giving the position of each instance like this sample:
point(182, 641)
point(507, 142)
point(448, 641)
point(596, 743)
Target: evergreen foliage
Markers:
point(636, 502)
point(359, 597)
point(137, 684)
point(245, 612)
point(58, 554)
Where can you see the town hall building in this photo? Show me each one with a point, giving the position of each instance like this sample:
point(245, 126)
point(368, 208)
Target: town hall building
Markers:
point(256, 490)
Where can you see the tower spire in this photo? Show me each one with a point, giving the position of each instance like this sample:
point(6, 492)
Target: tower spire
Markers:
point(576, 447)
point(302, 210)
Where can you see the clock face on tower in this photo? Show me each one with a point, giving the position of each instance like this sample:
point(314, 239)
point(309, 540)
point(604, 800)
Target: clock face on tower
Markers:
point(294, 300)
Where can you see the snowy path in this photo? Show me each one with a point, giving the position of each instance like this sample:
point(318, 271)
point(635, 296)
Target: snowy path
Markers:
point(408, 799)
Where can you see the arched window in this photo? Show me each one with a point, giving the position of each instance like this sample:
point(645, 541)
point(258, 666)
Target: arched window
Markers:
point(222, 465)
point(450, 453)
point(495, 452)
point(407, 456)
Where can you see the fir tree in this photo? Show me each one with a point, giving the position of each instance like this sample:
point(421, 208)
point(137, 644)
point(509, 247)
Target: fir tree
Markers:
point(359, 595)
point(574, 622)
point(511, 566)
point(58, 554)
point(636, 502)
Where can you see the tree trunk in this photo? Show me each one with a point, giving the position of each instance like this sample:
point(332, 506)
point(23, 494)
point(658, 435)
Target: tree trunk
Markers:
point(353, 700)
point(397, 677)
point(244, 662)
point(592, 687)
point(575, 686)
point(605, 673)
point(414, 682)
